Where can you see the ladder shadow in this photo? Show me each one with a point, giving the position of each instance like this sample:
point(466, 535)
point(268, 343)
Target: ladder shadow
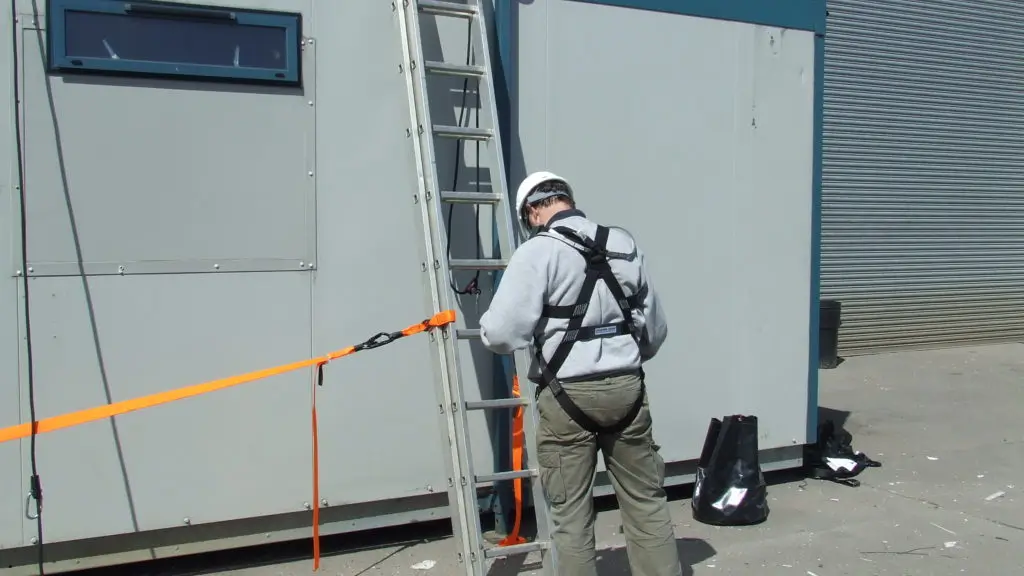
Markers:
point(612, 561)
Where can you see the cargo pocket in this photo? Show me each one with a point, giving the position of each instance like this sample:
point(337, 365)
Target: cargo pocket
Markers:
point(551, 476)
point(659, 463)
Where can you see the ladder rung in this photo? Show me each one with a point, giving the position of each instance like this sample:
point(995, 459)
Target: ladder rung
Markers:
point(496, 404)
point(503, 551)
point(461, 70)
point(477, 264)
point(452, 9)
point(470, 197)
point(500, 476)
point(468, 334)
point(463, 133)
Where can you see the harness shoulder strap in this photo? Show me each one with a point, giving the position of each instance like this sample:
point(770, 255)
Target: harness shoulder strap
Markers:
point(597, 254)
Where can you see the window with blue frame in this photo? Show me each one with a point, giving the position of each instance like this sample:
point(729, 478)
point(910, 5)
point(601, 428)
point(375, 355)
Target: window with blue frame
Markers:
point(171, 39)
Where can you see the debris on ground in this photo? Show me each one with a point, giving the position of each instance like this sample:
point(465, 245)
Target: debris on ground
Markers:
point(425, 565)
point(995, 495)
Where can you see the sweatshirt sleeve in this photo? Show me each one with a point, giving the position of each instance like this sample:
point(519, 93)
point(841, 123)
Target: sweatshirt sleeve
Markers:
point(655, 324)
point(509, 323)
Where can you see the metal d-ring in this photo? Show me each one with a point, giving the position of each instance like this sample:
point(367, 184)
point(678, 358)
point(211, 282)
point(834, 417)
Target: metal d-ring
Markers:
point(28, 508)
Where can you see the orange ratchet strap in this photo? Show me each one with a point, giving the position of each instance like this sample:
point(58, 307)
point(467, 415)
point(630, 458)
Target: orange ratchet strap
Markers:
point(125, 406)
point(517, 465)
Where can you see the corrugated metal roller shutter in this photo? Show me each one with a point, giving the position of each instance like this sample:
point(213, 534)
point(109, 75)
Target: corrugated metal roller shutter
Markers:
point(923, 192)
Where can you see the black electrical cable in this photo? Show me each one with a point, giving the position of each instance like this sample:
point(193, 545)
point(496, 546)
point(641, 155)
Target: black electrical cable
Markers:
point(36, 488)
point(472, 287)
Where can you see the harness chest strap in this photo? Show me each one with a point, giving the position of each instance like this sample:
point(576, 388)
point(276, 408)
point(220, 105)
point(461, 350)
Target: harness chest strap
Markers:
point(596, 254)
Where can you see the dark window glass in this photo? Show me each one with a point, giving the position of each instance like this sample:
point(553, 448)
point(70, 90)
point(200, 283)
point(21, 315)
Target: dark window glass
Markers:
point(204, 42)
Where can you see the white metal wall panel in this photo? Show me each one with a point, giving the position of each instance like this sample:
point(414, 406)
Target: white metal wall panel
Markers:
point(923, 200)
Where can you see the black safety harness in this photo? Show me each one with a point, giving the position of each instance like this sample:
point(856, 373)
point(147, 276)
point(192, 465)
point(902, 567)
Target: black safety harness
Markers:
point(596, 254)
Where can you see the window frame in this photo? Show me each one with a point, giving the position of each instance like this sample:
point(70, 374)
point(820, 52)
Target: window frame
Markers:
point(59, 61)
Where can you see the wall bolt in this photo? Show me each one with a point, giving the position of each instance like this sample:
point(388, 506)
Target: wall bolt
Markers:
point(311, 41)
point(187, 520)
point(306, 505)
point(302, 264)
point(437, 265)
point(31, 270)
point(17, 272)
point(430, 489)
point(428, 196)
point(415, 198)
point(423, 266)
point(310, 102)
point(216, 266)
point(323, 502)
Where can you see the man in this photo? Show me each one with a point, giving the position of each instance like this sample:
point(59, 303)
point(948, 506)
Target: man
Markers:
point(587, 365)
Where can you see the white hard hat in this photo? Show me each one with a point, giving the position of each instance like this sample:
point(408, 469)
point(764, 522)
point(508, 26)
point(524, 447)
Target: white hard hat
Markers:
point(529, 183)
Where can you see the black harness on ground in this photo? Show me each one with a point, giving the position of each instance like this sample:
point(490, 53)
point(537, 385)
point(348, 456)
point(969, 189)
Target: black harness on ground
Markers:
point(596, 254)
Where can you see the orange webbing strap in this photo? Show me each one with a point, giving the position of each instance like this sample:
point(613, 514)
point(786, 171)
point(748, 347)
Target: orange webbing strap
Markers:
point(517, 465)
point(108, 410)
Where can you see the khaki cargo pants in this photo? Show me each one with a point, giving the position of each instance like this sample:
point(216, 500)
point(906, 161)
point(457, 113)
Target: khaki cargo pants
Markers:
point(567, 455)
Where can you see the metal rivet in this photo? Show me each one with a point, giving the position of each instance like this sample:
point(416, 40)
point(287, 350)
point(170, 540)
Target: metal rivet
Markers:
point(187, 520)
point(311, 173)
point(17, 273)
point(34, 540)
point(310, 40)
point(302, 264)
point(306, 505)
point(310, 265)
point(31, 270)
point(216, 266)
point(310, 102)
point(430, 489)
point(323, 502)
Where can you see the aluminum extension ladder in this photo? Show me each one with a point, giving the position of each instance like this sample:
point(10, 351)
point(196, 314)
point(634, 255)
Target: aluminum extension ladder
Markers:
point(473, 558)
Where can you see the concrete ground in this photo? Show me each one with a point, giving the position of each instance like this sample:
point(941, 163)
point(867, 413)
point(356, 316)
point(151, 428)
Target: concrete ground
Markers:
point(949, 499)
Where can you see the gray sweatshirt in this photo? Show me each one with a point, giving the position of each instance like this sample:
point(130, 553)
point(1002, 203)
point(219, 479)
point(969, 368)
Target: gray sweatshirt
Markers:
point(548, 270)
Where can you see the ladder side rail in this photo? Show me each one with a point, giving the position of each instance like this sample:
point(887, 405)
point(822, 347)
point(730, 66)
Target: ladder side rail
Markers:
point(446, 360)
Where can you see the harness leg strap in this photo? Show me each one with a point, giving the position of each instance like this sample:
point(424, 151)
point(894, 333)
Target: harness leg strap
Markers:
point(586, 422)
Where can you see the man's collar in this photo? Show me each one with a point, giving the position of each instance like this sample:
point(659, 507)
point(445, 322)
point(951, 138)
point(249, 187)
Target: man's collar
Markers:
point(563, 215)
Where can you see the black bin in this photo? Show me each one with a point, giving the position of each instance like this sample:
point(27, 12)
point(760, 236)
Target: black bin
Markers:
point(828, 333)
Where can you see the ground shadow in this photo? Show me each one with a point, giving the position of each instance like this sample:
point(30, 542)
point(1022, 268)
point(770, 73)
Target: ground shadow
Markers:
point(615, 561)
point(838, 417)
